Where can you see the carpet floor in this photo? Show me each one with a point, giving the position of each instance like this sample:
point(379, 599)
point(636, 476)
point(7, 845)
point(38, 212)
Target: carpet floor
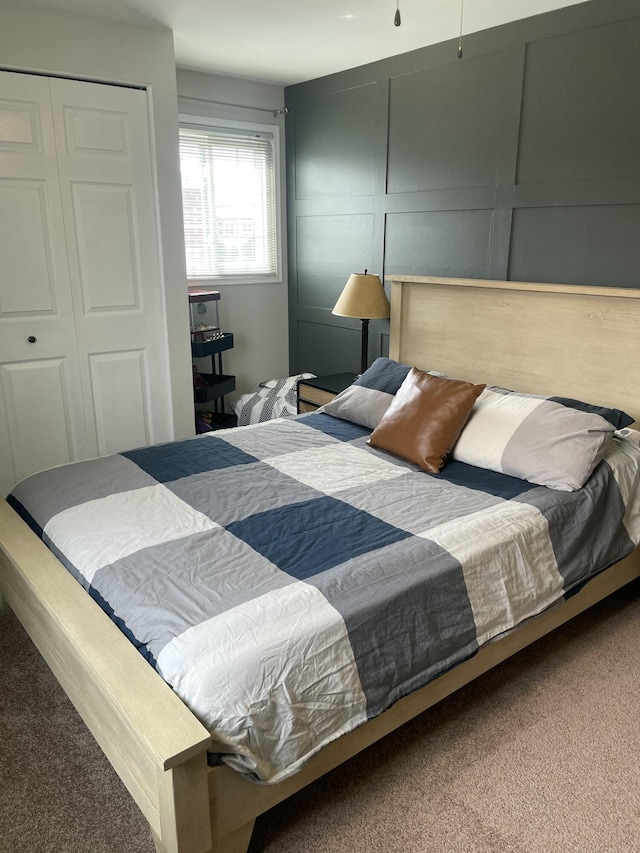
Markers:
point(540, 755)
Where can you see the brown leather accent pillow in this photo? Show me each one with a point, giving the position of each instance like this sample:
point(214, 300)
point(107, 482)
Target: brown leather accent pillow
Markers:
point(425, 419)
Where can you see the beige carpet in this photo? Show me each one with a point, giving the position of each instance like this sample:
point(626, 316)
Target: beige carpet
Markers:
point(542, 755)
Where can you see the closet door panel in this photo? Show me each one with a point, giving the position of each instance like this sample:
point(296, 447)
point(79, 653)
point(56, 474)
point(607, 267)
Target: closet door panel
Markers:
point(41, 408)
point(25, 209)
point(35, 401)
point(109, 265)
point(113, 376)
point(108, 198)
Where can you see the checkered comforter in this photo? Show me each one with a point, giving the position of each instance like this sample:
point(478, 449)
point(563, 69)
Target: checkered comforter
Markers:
point(289, 582)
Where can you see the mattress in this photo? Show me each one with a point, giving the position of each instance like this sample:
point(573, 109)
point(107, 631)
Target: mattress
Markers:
point(289, 582)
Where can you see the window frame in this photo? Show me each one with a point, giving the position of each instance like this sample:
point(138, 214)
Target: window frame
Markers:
point(211, 123)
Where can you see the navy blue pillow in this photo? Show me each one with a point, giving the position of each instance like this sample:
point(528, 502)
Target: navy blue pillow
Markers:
point(384, 375)
point(616, 417)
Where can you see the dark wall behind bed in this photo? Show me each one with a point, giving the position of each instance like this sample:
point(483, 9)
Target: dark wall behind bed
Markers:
point(519, 161)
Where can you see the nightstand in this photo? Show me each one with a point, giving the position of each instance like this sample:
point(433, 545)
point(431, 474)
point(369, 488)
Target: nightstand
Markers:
point(313, 393)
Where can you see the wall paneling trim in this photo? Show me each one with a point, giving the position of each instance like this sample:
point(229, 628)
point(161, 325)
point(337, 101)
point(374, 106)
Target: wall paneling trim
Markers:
point(520, 161)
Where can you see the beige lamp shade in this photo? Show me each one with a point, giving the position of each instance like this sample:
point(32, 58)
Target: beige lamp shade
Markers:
point(363, 296)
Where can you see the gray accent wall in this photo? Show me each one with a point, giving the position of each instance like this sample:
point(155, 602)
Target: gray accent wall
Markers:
point(519, 161)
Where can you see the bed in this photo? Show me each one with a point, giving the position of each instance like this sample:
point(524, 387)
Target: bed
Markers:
point(540, 339)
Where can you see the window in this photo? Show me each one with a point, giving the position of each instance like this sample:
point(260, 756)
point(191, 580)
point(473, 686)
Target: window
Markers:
point(229, 201)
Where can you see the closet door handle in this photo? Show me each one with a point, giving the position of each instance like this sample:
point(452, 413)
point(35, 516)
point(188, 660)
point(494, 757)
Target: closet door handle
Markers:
point(32, 339)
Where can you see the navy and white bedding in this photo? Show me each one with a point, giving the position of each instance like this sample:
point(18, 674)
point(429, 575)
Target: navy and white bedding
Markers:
point(290, 582)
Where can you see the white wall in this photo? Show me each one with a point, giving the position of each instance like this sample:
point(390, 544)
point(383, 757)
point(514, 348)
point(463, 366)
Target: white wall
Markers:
point(255, 313)
point(68, 44)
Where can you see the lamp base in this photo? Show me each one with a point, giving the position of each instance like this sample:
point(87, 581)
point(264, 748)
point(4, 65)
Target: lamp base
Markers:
point(364, 352)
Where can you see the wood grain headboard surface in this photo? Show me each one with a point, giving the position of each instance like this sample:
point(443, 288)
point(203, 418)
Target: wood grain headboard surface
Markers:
point(564, 340)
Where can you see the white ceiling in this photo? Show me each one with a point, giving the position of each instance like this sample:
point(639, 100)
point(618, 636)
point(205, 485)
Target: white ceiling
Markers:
point(290, 41)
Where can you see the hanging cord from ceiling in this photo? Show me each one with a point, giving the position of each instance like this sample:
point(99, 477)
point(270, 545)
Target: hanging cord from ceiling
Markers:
point(397, 20)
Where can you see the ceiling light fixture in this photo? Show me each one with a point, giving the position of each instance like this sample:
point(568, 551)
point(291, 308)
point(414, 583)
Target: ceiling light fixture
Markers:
point(397, 20)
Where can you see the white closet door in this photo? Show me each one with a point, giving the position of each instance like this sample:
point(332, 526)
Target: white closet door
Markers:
point(109, 206)
point(41, 408)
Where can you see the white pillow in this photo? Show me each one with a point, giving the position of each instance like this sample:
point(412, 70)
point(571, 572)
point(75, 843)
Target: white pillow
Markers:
point(550, 441)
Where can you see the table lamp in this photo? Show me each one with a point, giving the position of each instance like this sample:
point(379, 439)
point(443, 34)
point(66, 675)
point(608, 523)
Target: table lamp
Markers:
point(363, 297)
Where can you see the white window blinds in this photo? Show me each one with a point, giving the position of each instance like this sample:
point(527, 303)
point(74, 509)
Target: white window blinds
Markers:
point(229, 205)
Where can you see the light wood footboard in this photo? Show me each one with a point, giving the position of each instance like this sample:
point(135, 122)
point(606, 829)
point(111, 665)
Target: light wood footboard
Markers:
point(155, 744)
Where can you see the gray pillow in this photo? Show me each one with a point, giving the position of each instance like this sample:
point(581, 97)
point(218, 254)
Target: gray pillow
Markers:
point(551, 441)
point(366, 401)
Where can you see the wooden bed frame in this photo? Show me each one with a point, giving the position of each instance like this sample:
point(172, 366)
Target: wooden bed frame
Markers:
point(532, 337)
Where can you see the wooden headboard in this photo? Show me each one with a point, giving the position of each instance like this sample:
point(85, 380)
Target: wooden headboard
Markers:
point(565, 340)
